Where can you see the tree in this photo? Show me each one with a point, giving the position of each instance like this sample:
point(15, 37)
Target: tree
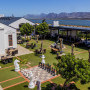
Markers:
point(42, 29)
point(44, 20)
point(26, 29)
point(73, 69)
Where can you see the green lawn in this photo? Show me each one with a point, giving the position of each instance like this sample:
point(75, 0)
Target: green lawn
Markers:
point(24, 86)
point(85, 55)
point(58, 80)
point(8, 73)
point(34, 60)
point(83, 86)
point(46, 44)
point(11, 82)
point(51, 58)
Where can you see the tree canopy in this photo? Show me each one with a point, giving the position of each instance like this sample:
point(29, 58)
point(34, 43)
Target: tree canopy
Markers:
point(42, 29)
point(73, 69)
point(44, 20)
point(26, 29)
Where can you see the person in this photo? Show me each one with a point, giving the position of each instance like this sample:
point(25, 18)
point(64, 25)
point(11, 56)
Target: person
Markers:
point(38, 83)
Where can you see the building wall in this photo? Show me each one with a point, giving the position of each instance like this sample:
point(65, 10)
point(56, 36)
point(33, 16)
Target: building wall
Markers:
point(10, 31)
point(4, 44)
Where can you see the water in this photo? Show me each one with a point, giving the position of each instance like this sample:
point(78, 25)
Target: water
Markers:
point(66, 22)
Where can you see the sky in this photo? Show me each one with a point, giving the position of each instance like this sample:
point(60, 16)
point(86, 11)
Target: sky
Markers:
point(23, 7)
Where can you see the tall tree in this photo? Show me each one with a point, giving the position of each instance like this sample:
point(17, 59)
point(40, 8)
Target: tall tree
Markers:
point(44, 20)
point(73, 69)
point(42, 29)
point(26, 29)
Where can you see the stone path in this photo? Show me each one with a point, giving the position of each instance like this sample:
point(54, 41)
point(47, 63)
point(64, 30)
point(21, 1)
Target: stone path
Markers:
point(39, 74)
point(22, 51)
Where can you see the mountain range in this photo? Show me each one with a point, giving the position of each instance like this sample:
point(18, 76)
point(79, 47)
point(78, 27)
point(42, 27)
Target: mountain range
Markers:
point(63, 15)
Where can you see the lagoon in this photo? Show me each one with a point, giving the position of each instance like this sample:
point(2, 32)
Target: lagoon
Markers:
point(65, 22)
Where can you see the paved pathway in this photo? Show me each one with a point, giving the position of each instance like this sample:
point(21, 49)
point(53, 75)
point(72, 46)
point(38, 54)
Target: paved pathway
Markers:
point(22, 51)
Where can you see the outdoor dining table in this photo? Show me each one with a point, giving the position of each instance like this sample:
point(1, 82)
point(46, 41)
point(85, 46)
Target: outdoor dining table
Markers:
point(28, 45)
point(40, 51)
point(6, 59)
point(54, 50)
point(13, 51)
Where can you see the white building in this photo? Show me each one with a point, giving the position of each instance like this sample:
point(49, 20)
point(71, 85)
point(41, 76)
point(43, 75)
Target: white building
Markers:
point(1, 15)
point(8, 38)
point(8, 31)
point(54, 32)
point(14, 22)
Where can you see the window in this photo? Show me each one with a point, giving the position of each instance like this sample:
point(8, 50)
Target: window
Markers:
point(10, 40)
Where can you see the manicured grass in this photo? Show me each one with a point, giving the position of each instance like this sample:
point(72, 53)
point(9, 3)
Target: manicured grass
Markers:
point(51, 58)
point(8, 73)
point(11, 82)
point(34, 60)
point(24, 86)
point(58, 80)
point(23, 66)
point(46, 44)
point(44, 85)
point(84, 55)
point(83, 86)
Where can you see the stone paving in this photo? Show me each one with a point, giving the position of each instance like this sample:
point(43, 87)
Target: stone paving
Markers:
point(39, 74)
point(22, 51)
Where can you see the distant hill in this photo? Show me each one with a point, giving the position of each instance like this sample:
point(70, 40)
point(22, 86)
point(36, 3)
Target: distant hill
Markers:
point(63, 15)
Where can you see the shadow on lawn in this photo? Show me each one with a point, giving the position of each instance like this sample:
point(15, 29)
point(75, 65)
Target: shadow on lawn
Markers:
point(13, 70)
point(78, 46)
point(25, 86)
point(54, 86)
point(88, 88)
